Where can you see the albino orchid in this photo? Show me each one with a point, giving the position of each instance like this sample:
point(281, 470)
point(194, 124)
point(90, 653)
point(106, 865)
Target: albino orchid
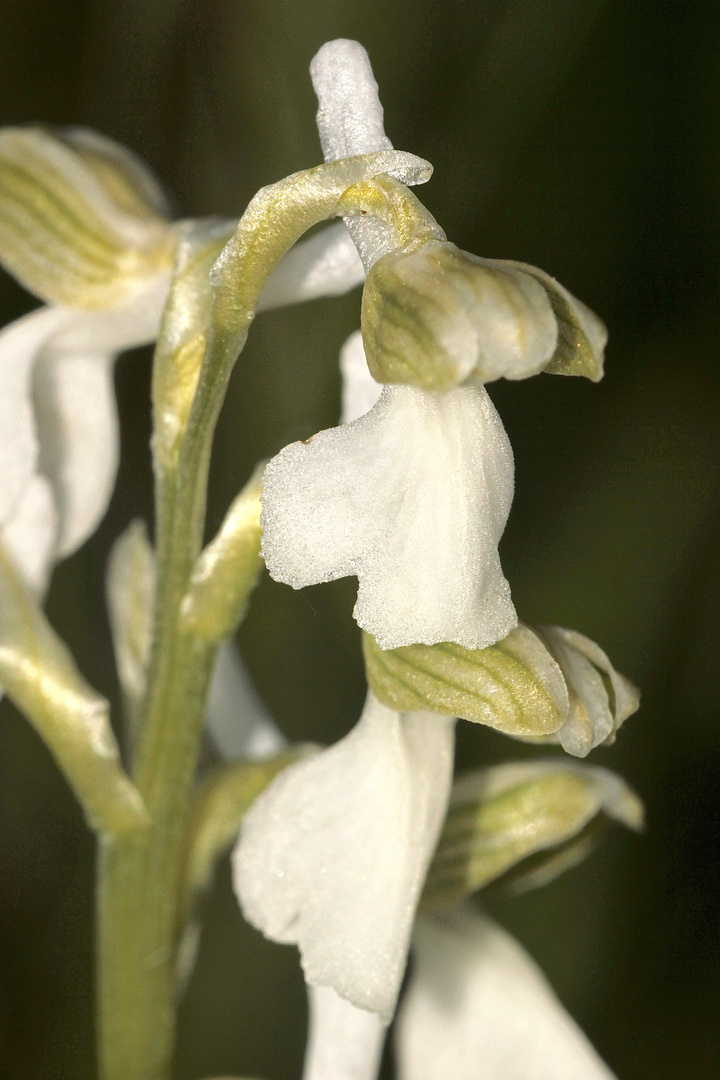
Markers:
point(411, 494)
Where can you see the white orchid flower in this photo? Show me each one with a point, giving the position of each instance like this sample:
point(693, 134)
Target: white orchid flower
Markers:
point(413, 498)
point(333, 855)
point(84, 226)
point(479, 1008)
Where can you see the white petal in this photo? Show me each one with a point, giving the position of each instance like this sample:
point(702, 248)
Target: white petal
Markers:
point(20, 344)
point(79, 440)
point(238, 722)
point(344, 1042)
point(479, 1008)
point(30, 534)
point(412, 498)
point(75, 410)
point(359, 390)
point(334, 854)
point(350, 116)
point(324, 265)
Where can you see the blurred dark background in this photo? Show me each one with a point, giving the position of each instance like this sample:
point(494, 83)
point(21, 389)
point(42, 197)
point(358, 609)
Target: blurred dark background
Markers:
point(579, 135)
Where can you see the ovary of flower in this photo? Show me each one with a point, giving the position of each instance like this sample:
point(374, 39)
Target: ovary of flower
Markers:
point(412, 498)
point(334, 854)
point(478, 1006)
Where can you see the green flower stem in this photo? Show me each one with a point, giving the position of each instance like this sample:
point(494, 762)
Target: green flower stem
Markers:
point(139, 878)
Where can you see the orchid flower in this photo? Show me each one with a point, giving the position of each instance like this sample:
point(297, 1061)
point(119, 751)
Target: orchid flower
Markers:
point(85, 227)
point(412, 497)
point(479, 1008)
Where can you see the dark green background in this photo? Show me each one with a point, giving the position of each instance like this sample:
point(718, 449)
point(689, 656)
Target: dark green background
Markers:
point(579, 135)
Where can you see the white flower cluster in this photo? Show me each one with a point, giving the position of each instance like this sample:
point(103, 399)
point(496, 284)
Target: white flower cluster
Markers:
point(410, 494)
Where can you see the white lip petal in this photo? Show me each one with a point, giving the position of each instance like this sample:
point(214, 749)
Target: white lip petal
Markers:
point(334, 854)
point(30, 534)
point(20, 344)
point(412, 498)
point(79, 440)
point(359, 390)
point(344, 1042)
point(324, 265)
point(479, 1007)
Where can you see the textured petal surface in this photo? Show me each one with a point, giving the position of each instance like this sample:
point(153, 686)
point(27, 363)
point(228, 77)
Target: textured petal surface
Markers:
point(359, 390)
point(237, 720)
point(412, 498)
point(20, 345)
point(344, 1042)
point(333, 855)
point(479, 1008)
point(30, 534)
point(324, 265)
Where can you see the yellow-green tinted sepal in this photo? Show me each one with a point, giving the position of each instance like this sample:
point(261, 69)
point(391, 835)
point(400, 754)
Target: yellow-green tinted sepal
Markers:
point(75, 227)
point(526, 823)
point(514, 686)
point(184, 333)
point(582, 336)
point(434, 316)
